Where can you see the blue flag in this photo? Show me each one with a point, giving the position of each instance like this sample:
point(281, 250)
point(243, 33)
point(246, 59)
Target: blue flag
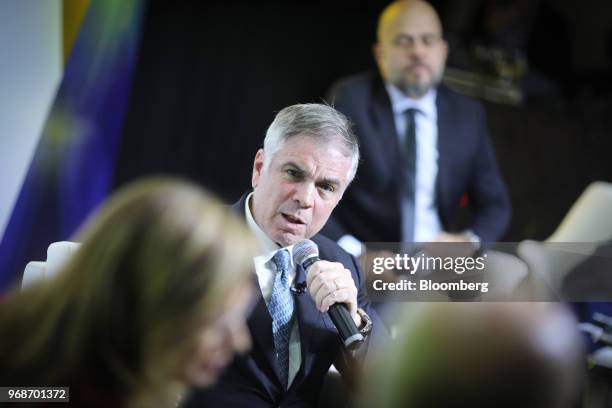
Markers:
point(72, 169)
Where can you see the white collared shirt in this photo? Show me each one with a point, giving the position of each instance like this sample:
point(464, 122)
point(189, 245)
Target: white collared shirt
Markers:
point(266, 272)
point(427, 223)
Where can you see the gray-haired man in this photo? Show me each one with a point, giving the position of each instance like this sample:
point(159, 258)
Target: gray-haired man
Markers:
point(310, 156)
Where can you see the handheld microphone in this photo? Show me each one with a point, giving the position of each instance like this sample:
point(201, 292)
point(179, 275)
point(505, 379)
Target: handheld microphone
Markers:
point(305, 253)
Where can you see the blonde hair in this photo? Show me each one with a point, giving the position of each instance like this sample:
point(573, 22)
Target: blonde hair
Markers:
point(155, 264)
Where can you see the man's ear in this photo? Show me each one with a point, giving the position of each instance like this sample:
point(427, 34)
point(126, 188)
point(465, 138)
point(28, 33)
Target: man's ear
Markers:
point(376, 52)
point(257, 167)
point(445, 45)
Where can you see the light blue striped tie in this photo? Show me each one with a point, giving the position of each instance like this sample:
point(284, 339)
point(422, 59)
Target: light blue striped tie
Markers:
point(281, 310)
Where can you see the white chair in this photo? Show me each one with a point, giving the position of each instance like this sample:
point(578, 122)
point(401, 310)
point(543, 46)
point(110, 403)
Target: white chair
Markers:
point(58, 254)
point(590, 218)
point(34, 271)
point(586, 226)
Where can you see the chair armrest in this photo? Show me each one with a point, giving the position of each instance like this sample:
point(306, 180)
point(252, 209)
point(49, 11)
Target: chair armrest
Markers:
point(58, 254)
point(34, 271)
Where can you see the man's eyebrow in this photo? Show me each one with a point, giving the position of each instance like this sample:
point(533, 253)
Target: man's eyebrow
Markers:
point(331, 181)
point(293, 164)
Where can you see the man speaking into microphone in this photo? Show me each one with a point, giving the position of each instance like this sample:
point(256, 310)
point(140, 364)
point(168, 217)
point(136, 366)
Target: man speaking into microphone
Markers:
point(310, 156)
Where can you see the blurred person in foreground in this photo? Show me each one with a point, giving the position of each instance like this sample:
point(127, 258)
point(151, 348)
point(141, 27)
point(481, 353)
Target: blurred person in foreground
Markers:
point(425, 148)
point(472, 355)
point(155, 300)
point(309, 157)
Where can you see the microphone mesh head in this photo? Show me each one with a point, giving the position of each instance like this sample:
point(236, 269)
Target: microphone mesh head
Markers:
point(303, 250)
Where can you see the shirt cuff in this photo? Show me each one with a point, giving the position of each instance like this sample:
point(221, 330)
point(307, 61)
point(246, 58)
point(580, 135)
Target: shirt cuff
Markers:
point(472, 239)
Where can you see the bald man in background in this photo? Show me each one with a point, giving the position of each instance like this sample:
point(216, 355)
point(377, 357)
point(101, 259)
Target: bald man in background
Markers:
point(424, 147)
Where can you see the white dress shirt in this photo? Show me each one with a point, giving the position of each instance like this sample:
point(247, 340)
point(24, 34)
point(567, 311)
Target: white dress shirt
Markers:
point(266, 271)
point(427, 223)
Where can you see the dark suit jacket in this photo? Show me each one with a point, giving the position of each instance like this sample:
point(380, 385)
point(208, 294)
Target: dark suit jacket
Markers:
point(252, 379)
point(370, 208)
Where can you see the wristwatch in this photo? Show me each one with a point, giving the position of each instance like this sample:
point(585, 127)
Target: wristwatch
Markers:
point(366, 322)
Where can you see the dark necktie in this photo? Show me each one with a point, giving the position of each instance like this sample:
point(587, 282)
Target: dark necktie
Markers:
point(408, 196)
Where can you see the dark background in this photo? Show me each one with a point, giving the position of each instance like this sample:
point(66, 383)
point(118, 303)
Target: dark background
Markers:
point(211, 76)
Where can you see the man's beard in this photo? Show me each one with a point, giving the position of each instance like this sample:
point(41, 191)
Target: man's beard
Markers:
point(415, 89)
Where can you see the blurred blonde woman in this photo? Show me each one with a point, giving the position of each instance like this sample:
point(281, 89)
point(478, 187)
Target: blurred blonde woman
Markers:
point(154, 301)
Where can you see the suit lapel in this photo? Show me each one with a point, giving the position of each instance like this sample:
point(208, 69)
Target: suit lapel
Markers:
point(260, 325)
point(260, 321)
point(445, 131)
point(384, 123)
point(308, 317)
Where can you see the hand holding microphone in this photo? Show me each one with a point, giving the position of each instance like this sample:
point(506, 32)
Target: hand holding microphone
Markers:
point(333, 290)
